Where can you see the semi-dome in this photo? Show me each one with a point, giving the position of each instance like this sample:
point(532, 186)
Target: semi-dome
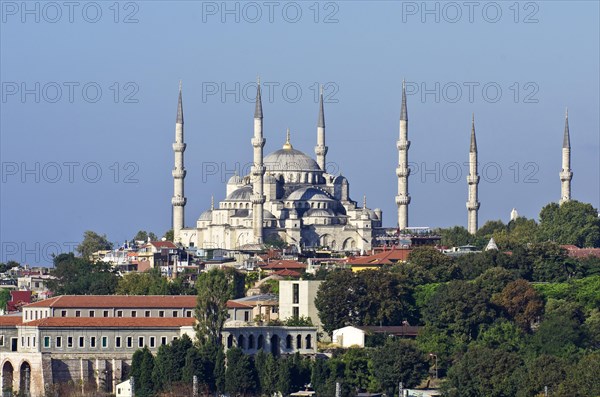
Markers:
point(308, 194)
point(319, 212)
point(206, 216)
point(241, 194)
point(290, 160)
point(235, 180)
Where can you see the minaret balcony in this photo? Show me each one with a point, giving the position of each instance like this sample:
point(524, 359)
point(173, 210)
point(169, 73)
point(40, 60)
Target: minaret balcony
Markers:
point(473, 179)
point(403, 172)
point(258, 170)
point(258, 142)
point(178, 201)
point(179, 147)
point(403, 145)
point(321, 150)
point(257, 199)
point(473, 206)
point(403, 199)
point(566, 176)
point(178, 173)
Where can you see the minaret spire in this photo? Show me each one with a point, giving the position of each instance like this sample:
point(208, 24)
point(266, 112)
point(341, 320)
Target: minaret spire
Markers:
point(258, 171)
point(473, 182)
point(178, 201)
point(402, 171)
point(566, 174)
point(321, 149)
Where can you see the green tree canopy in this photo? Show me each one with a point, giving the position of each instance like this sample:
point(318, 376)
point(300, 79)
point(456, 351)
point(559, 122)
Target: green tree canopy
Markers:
point(399, 361)
point(91, 243)
point(78, 276)
point(572, 222)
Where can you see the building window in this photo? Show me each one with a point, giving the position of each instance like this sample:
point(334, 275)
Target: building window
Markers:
point(1, 340)
point(261, 342)
point(105, 314)
point(161, 313)
point(188, 313)
point(251, 342)
point(59, 341)
point(105, 341)
point(33, 339)
point(63, 313)
point(93, 341)
point(118, 341)
point(308, 342)
point(147, 313)
point(77, 313)
point(174, 313)
point(296, 293)
point(81, 341)
point(141, 341)
point(46, 342)
point(92, 313)
point(119, 313)
point(129, 341)
point(296, 312)
point(246, 316)
point(152, 341)
point(69, 341)
point(163, 340)
point(288, 342)
point(299, 342)
point(134, 313)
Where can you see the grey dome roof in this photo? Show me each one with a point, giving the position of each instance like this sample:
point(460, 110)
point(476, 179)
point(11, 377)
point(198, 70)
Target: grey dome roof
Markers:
point(241, 194)
point(206, 216)
point(309, 193)
point(289, 160)
point(235, 180)
point(318, 212)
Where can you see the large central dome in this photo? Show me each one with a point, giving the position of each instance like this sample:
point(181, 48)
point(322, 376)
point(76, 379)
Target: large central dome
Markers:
point(290, 160)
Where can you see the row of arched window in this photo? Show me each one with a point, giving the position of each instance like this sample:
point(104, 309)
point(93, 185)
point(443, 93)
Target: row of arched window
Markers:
point(251, 344)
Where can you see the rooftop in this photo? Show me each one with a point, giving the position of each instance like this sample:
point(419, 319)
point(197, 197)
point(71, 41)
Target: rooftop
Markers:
point(124, 301)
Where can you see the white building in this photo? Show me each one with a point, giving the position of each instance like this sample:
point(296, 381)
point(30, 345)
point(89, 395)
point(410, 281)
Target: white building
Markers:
point(297, 299)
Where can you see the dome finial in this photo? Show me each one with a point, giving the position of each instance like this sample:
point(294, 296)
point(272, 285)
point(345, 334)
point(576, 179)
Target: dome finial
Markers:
point(287, 145)
point(212, 202)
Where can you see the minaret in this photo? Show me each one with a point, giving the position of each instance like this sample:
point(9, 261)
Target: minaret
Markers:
point(566, 174)
point(473, 181)
point(403, 198)
point(258, 171)
point(321, 149)
point(178, 201)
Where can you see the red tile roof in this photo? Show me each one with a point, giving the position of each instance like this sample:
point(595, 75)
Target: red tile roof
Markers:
point(287, 273)
point(113, 322)
point(576, 252)
point(163, 244)
point(284, 264)
point(389, 257)
point(237, 305)
point(118, 301)
point(10, 320)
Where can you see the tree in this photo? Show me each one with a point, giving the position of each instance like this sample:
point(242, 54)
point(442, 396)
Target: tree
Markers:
point(266, 368)
point(572, 222)
point(358, 369)
point(142, 367)
point(521, 303)
point(91, 243)
point(539, 373)
point(171, 361)
point(240, 376)
point(504, 335)
point(147, 283)
point(440, 267)
point(214, 290)
point(518, 232)
point(169, 235)
point(482, 371)
point(455, 236)
point(336, 300)
point(143, 235)
point(78, 276)
point(4, 267)
point(582, 377)
point(399, 361)
point(4, 297)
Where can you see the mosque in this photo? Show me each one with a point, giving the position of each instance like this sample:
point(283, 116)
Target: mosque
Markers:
point(290, 197)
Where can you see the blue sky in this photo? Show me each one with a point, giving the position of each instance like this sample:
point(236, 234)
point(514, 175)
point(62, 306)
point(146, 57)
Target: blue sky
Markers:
point(89, 146)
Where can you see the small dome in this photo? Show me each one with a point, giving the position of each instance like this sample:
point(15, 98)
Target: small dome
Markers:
point(268, 215)
point(235, 180)
point(308, 194)
point(241, 194)
point(206, 216)
point(318, 212)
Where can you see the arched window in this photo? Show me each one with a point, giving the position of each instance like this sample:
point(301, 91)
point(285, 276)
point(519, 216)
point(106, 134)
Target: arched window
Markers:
point(230, 341)
point(25, 383)
point(241, 342)
point(299, 342)
point(251, 342)
point(308, 341)
point(260, 342)
point(288, 342)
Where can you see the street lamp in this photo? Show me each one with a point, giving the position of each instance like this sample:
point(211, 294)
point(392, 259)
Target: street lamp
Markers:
point(435, 363)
